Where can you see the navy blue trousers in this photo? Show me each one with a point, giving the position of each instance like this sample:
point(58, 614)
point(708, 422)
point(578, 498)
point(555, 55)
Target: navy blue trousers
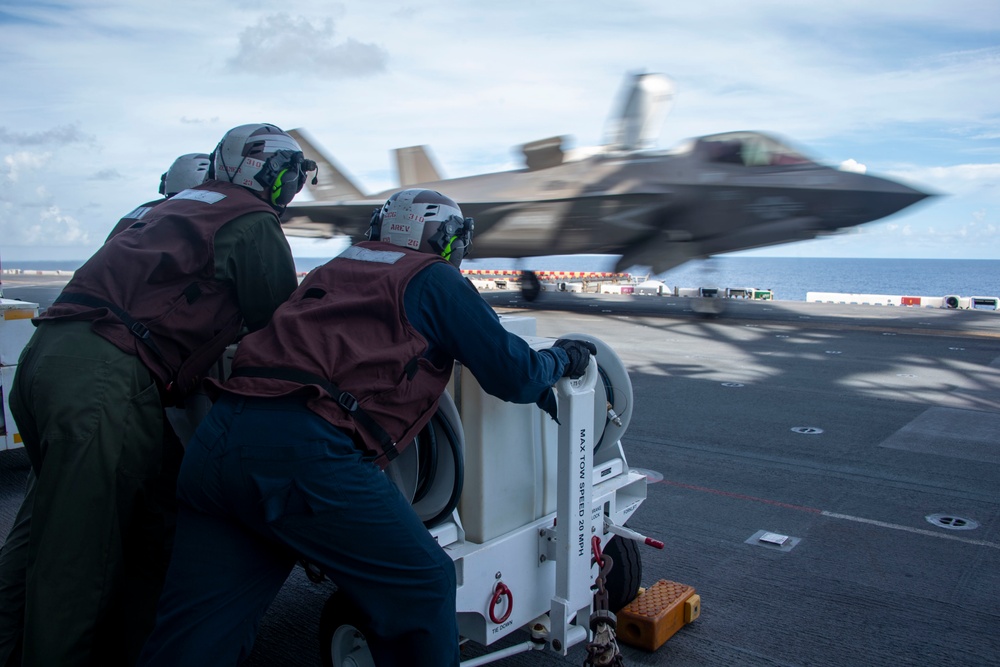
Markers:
point(265, 482)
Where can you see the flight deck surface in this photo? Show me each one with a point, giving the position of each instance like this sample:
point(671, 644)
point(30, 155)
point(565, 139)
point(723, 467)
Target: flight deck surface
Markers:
point(868, 435)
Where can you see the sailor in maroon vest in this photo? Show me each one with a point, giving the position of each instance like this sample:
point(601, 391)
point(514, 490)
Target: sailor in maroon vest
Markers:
point(187, 171)
point(134, 330)
point(287, 465)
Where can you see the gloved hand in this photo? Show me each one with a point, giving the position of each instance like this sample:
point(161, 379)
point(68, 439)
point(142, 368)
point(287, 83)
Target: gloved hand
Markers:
point(579, 352)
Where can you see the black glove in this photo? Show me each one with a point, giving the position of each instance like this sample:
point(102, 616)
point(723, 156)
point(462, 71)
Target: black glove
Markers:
point(579, 352)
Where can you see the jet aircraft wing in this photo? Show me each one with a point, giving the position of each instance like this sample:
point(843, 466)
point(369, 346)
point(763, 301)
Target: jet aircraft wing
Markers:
point(330, 219)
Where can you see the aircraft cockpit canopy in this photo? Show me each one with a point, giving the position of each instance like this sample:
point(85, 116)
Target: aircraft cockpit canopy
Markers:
point(750, 149)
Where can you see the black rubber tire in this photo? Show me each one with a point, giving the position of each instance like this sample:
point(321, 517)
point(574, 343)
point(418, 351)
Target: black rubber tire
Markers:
point(625, 578)
point(531, 287)
point(427, 442)
point(338, 613)
point(458, 459)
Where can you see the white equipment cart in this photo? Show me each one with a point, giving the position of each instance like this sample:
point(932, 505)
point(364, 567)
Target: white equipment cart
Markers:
point(525, 507)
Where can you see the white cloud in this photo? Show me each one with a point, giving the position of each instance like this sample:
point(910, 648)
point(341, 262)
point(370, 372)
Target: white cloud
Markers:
point(969, 236)
point(56, 228)
point(960, 179)
point(853, 165)
point(62, 135)
point(279, 45)
point(185, 120)
point(106, 175)
point(30, 215)
point(17, 164)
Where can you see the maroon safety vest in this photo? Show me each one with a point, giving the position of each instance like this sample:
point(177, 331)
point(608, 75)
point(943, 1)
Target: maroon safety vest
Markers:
point(134, 216)
point(160, 277)
point(346, 324)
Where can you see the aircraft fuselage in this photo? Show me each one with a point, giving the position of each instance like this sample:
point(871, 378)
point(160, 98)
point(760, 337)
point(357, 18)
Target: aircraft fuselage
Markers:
point(717, 194)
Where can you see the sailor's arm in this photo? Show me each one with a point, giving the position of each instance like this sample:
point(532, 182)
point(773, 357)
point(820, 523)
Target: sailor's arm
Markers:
point(459, 324)
point(252, 253)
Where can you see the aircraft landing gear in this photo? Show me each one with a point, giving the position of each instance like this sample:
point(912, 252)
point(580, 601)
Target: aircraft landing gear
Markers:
point(531, 287)
point(708, 306)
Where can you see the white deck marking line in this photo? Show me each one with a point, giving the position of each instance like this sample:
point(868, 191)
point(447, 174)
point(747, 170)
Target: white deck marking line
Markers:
point(908, 529)
point(832, 515)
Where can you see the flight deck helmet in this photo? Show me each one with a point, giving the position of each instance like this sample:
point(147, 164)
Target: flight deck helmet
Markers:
point(187, 171)
point(424, 220)
point(263, 158)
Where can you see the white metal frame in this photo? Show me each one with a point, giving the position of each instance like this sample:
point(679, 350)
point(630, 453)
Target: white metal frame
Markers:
point(546, 564)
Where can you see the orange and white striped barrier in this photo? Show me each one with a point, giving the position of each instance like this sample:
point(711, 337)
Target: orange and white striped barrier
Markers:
point(35, 272)
point(549, 275)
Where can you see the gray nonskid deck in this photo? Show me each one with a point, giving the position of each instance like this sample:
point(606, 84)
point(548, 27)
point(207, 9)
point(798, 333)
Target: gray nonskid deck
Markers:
point(898, 409)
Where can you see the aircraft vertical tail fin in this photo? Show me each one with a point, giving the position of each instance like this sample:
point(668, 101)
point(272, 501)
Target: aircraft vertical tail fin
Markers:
point(414, 165)
point(332, 184)
point(644, 103)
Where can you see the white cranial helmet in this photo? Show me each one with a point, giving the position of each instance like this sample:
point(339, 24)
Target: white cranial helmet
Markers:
point(187, 171)
point(265, 159)
point(424, 220)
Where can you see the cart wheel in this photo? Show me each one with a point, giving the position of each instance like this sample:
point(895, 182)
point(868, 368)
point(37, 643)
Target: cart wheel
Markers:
point(341, 641)
point(624, 579)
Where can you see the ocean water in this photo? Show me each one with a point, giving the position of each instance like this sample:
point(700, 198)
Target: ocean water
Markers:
point(788, 277)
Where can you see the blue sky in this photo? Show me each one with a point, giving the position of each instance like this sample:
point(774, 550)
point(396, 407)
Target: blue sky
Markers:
point(101, 96)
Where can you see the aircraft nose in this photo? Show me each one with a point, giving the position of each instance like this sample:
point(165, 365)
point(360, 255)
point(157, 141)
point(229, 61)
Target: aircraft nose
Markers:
point(897, 196)
point(881, 197)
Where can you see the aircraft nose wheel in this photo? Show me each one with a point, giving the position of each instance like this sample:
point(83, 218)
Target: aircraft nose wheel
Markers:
point(707, 306)
point(531, 287)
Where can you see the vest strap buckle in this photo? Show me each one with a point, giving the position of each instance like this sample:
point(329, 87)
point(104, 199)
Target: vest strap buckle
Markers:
point(347, 401)
point(390, 452)
point(139, 330)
